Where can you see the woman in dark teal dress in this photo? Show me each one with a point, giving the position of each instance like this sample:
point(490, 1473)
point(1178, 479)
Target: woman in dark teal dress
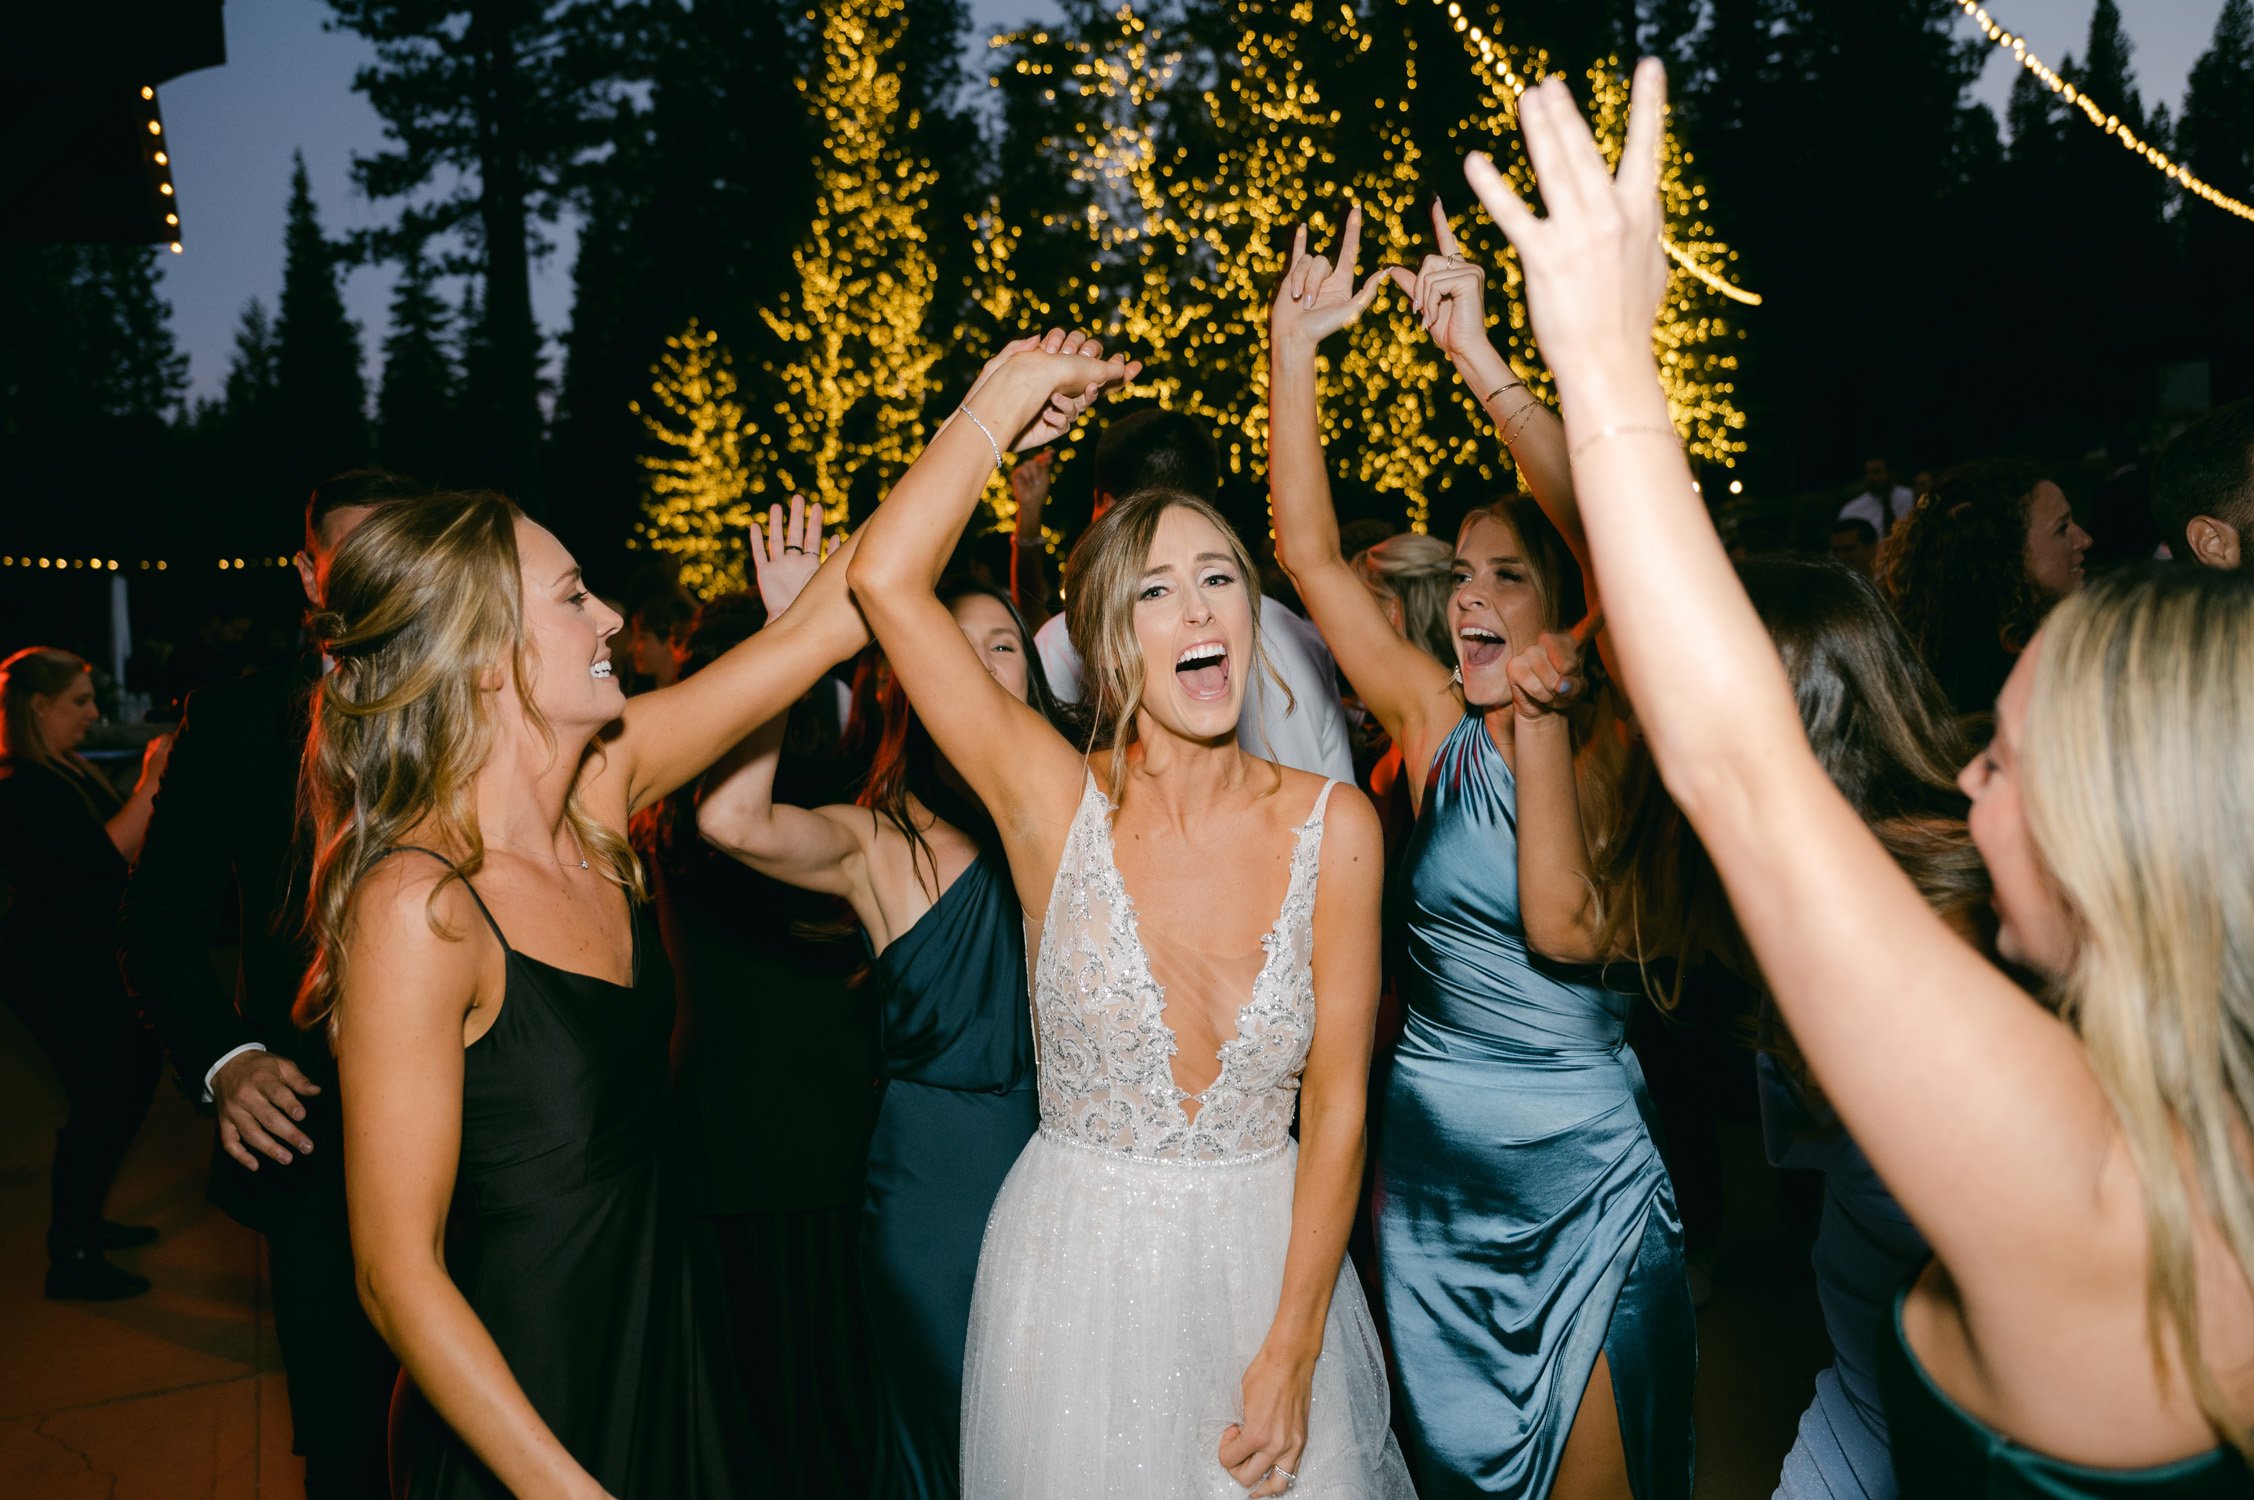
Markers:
point(1529, 1245)
point(2084, 1174)
point(916, 859)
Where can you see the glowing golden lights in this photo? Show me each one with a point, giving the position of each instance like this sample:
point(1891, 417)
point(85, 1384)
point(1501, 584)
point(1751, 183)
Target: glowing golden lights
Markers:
point(2109, 123)
point(119, 565)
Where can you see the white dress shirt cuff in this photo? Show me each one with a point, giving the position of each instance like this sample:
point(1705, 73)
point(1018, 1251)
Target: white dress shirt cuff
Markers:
point(226, 1058)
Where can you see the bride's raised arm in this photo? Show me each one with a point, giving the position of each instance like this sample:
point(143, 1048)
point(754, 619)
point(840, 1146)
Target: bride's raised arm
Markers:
point(1025, 773)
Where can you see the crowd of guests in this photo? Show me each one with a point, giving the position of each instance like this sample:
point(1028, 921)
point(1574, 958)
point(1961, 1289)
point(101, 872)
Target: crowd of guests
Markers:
point(920, 1041)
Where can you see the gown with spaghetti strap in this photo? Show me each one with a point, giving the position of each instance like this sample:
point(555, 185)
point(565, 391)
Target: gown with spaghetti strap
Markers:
point(1133, 1263)
point(567, 1238)
point(1525, 1221)
point(1941, 1449)
point(958, 1107)
point(1864, 1246)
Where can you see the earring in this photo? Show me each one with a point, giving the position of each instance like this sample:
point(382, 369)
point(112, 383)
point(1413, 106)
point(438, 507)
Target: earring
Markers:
point(1456, 674)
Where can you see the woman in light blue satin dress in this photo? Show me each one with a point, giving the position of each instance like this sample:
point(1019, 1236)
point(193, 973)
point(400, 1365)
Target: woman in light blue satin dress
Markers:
point(1529, 1244)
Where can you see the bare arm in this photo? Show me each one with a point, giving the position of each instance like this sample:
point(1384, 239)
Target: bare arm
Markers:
point(1407, 690)
point(806, 847)
point(1025, 773)
point(128, 827)
point(1029, 554)
point(668, 737)
point(408, 993)
point(1977, 1107)
point(1451, 295)
point(1333, 1098)
point(1556, 878)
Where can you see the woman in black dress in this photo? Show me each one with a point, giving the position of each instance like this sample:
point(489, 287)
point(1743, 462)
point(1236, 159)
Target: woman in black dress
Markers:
point(502, 1047)
point(66, 841)
point(919, 862)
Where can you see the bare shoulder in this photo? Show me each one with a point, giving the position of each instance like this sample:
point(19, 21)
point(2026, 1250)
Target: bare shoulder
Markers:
point(1351, 832)
point(415, 936)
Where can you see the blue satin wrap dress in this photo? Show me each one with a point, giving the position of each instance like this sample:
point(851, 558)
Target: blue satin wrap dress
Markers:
point(1525, 1220)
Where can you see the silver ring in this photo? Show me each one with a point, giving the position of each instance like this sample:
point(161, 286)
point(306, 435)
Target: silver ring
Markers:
point(1289, 1478)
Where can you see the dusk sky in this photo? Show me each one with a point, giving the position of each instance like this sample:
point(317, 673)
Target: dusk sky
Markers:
point(287, 85)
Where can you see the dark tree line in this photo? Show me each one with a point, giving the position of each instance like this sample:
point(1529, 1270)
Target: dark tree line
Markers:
point(1939, 282)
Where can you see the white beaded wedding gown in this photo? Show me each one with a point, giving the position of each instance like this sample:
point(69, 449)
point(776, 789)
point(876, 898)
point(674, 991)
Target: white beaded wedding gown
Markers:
point(1133, 1261)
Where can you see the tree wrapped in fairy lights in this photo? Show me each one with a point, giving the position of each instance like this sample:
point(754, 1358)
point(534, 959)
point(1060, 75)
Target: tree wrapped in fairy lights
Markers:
point(695, 505)
point(1191, 143)
point(851, 385)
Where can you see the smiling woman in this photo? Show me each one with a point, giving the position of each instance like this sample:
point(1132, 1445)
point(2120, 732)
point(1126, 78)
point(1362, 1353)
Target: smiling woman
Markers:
point(514, 1229)
point(1160, 1308)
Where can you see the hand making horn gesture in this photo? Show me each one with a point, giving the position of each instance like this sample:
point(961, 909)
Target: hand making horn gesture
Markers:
point(1448, 292)
point(1317, 298)
point(1595, 266)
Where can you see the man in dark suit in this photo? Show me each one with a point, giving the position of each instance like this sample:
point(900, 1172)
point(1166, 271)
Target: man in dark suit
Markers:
point(228, 817)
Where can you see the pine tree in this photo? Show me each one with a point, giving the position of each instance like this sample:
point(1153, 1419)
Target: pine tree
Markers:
point(415, 406)
point(254, 374)
point(323, 399)
point(2216, 141)
point(694, 504)
point(499, 105)
point(854, 376)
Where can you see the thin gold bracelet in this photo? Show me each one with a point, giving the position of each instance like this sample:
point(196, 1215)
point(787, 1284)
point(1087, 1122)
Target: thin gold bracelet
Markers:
point(1498, 390)
point(1623, 429)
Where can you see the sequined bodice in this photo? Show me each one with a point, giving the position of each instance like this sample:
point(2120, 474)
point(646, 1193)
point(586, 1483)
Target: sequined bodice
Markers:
point(1106, 1051)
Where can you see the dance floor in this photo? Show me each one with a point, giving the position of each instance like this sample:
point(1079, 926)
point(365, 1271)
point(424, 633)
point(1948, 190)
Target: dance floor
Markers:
point(178, 1395)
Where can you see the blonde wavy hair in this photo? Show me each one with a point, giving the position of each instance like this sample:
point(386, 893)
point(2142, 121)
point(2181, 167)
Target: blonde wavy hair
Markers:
point(2139, 795)
point(1107, 566)
point(1414, 570)
point(424, 600)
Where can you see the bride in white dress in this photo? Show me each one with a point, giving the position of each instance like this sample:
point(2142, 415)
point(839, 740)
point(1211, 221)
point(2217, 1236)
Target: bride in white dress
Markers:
point(1161, 1309)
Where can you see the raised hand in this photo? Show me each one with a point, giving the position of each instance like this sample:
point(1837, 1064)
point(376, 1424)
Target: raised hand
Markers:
point(1029, 484)
point(1318, 298)
point(1595, 267)
point(1448, 292)
point(1078, 372)
point(788, 556)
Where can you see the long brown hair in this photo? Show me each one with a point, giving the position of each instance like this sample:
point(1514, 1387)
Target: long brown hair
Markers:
point(46, 672)
point(905, 763)
point(1882, 731)
point(1599, 720)
point(423, 600)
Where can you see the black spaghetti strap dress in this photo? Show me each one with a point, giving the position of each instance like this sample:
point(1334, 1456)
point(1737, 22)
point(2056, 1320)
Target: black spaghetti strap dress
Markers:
point(568, 1238)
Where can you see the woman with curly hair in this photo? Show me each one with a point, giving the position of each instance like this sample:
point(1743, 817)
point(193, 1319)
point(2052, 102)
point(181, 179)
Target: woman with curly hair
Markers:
point(1974, 568)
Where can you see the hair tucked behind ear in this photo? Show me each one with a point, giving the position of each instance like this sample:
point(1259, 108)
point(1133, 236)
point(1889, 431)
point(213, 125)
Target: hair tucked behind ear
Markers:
point(425, 600)
point(1100, 614)
point(2139, 789)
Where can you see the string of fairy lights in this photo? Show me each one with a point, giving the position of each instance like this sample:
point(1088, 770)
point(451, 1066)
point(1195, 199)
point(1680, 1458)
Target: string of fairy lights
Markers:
point(2096, 114)
point(143, 565)
point(163, 160)
point(1495, 65)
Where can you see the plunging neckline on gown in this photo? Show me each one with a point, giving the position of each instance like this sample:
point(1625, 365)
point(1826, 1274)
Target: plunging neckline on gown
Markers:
point(1271, 944)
